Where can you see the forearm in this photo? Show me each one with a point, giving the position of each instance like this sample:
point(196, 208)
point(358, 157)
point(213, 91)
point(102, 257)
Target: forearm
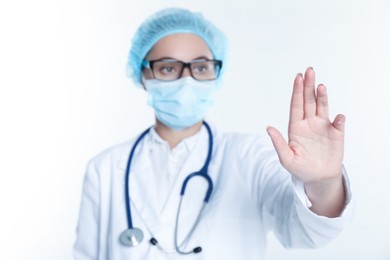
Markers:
point(327, 197)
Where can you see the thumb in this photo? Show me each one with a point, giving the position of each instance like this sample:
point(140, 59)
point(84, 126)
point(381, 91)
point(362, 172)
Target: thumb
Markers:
point(282, 148)
point(339, 122)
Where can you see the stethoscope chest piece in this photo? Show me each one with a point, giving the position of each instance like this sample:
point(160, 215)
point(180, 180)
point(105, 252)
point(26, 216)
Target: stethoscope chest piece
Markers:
point(131, 237)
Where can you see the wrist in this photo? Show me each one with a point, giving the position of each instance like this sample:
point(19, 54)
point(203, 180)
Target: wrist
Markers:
point(327, 196)
point(326, 184)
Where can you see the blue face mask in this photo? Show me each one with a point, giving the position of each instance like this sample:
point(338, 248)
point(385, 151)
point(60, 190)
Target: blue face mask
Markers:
point(180, 103)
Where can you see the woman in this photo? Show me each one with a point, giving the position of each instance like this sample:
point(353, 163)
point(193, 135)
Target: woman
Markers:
point(138, 201)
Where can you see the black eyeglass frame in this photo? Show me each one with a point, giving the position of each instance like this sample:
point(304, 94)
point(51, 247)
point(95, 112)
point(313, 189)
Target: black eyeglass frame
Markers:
point(149, 64)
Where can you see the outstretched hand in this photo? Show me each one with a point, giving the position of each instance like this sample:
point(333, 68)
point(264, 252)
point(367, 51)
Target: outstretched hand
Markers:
point(315, 147)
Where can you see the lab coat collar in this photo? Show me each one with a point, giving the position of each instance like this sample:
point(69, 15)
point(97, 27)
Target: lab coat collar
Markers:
point(187, 143)
point(122, 163)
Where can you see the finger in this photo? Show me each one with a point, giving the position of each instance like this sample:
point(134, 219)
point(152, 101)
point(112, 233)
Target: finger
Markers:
point(282, 148)
point(339, 122)
point(309, 93)
point(296, 105)
point(322, 102)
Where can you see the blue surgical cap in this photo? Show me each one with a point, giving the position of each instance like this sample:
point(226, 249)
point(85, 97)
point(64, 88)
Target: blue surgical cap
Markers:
point(171, 21)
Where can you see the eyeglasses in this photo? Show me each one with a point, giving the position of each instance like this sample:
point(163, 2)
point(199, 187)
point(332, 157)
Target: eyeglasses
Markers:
point(170, 69)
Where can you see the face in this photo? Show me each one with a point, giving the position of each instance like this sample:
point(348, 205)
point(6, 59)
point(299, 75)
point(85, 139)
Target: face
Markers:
point(182, 46)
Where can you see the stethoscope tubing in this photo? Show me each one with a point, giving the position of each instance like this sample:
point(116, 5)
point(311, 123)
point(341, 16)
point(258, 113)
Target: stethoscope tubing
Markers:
point(203, 172)
point(127, 179)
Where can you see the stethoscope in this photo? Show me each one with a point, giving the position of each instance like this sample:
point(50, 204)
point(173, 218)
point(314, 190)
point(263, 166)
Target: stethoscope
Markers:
point(133, 236)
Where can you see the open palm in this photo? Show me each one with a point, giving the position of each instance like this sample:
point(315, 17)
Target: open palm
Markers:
point(315, 147)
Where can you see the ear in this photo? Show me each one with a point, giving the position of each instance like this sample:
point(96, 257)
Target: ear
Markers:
point(143, 78)
point(143, 83)
point(146, 74)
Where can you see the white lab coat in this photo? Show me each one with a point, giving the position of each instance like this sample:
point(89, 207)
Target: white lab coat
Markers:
point(253, 194)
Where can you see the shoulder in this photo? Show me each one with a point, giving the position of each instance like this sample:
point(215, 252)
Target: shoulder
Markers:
point(112, 155)
point(254, 152)
point(242, 144)
point(238, 139)
point(247, 143)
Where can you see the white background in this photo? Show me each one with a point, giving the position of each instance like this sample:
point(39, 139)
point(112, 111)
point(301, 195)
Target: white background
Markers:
point(64, 98)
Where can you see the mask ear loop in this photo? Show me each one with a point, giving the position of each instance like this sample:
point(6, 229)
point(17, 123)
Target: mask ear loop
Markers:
point(143, 82)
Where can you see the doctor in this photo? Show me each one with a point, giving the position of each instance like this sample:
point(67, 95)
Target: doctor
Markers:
point(184, 190)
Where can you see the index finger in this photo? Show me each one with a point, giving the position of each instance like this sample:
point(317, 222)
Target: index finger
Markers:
point(296, 105)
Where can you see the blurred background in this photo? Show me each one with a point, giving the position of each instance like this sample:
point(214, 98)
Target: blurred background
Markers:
point(64, 97)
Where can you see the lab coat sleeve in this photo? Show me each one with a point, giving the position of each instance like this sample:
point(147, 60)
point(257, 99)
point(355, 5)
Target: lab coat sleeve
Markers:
point(282, 203)
point(299, 188)
point(87, 242)
point(310, 229)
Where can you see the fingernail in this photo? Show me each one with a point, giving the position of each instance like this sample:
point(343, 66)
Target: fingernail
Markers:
point(324, 89)
point(299, 75)
point(310, 68)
